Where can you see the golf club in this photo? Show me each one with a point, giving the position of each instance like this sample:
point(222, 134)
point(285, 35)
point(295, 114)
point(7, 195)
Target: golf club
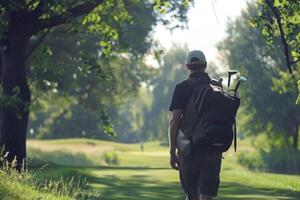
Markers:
point(230, 73)
point(217, 82)
point(242, 79)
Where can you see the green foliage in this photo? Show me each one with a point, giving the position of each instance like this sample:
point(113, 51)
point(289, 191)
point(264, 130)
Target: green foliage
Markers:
point(46, 108)
point(107, 126)
point(172, 71)
point(252, 161)
point(270, 156)
point(298, 99)
point(276, 160)
point(94, 100)
point(102, 22)
point(94, 80)
point(111, 158)
point(14, 101)
point(269, 84)
point(86, 56)
point(281, 161)
point(173, 9)
point(288, 11)
point(62, 157)
point(14, 185)
point(132, 117)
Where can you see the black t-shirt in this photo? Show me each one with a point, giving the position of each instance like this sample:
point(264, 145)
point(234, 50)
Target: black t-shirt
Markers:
point(183, 92)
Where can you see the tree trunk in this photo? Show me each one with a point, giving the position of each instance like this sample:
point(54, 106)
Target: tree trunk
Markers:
point(296, 138)
point(16, 91)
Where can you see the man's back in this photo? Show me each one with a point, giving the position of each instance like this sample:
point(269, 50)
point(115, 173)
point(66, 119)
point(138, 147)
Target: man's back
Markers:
point(184, 90)
point(199, 171)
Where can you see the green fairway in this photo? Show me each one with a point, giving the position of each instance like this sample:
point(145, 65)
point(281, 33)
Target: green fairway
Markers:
point(146, 175)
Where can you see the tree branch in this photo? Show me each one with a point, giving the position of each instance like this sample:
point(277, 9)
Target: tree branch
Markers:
point(282, 36)
point(35, 45)
point(74, 12)
point(38, 11)
point(295, 61)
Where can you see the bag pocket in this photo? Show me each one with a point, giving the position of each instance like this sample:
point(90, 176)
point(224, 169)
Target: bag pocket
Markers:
point(217, 137)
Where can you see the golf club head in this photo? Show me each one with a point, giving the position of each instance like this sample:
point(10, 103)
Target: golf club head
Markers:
point(230, 73)
point(243, 79)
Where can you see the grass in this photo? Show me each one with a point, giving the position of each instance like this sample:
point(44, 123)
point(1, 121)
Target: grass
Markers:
point(146, 175)
point(16, 186)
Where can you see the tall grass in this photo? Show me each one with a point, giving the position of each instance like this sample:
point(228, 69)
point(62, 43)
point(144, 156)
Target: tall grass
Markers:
point(25, 186)
point(64, 157)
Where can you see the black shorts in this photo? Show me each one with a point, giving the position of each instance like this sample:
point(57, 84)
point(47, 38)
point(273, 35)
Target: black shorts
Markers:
point(199, 173)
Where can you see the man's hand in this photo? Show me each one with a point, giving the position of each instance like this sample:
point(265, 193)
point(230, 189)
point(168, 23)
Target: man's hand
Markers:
point(174, 161)
point(173, 128)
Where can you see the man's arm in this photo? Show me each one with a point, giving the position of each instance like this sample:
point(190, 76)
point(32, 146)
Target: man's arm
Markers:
point(173, 128)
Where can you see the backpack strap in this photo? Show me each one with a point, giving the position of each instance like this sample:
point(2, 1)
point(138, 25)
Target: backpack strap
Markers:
point(200, 99)
point(197, 82)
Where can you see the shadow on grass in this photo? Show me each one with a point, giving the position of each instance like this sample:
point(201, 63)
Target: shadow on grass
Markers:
point(235, 191)
point(139, 184)
point(131, 187)
point(143, 187)
point(136, 187)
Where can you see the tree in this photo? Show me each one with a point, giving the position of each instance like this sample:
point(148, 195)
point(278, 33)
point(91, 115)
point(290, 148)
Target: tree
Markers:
point(23, 26)
point(280, 19)
point(268, 98)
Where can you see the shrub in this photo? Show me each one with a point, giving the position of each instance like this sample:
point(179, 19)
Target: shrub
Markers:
point(251, 160)
point(111, 158)
point(274, 160)
point(62, 157)
point(282, 160)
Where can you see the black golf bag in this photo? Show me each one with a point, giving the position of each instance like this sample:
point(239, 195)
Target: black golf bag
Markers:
point(209, 118)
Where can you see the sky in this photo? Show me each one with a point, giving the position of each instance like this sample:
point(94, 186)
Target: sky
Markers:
point(206, 26)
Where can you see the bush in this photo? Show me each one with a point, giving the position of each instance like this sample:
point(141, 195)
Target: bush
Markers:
point(251, 160)
point(282, 160)
point(111, 158)
point(274, 160)
point(62, 157)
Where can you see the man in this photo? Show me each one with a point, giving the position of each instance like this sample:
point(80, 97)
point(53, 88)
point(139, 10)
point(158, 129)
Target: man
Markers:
point(199, 171)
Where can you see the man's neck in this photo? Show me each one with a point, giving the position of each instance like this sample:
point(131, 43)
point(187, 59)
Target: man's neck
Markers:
point(196, 71)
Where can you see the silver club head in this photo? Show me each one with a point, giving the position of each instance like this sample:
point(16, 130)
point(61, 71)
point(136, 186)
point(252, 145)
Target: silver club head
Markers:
point(230, 73)
point(243, 79)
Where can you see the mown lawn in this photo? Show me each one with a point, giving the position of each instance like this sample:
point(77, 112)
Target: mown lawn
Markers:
point(146, 175)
